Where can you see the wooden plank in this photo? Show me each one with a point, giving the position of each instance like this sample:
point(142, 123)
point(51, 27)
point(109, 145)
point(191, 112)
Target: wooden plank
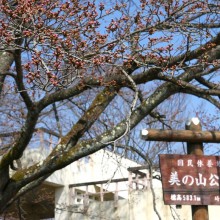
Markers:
point(98, 182)
point(180, 136)
point(144, 167)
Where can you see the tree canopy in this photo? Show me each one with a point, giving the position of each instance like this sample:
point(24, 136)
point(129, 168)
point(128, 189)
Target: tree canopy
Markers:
point(88, 73)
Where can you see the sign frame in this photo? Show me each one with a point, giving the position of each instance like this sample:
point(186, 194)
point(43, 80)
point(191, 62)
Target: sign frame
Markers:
point(190, 179)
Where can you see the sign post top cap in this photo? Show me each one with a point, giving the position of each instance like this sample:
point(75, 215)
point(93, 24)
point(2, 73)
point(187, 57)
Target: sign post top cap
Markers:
point(193, 120)
point(144, 132)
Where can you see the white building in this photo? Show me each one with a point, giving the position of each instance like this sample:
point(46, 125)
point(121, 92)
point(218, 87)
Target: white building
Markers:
point(103, 186)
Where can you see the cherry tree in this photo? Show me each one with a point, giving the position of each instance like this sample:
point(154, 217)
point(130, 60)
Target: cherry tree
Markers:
point(89, 73)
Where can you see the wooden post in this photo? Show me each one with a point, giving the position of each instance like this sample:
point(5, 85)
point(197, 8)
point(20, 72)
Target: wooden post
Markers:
point(101, 193)
point(116, 195)
point(86, 198)
point(130, 182)
point(199, 212)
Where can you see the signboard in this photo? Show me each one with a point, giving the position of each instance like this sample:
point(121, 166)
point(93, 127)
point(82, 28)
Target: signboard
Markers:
point(190, 179)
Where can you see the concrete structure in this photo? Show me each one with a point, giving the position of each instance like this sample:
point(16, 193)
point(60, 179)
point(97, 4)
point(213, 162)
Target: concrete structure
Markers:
point(103, 186)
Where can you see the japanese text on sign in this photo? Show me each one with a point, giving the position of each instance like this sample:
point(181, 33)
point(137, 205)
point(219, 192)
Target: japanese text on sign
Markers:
point(189, 180)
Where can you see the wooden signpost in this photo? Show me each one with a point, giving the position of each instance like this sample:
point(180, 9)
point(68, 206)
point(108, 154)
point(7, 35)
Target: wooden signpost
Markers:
point(191, 179)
